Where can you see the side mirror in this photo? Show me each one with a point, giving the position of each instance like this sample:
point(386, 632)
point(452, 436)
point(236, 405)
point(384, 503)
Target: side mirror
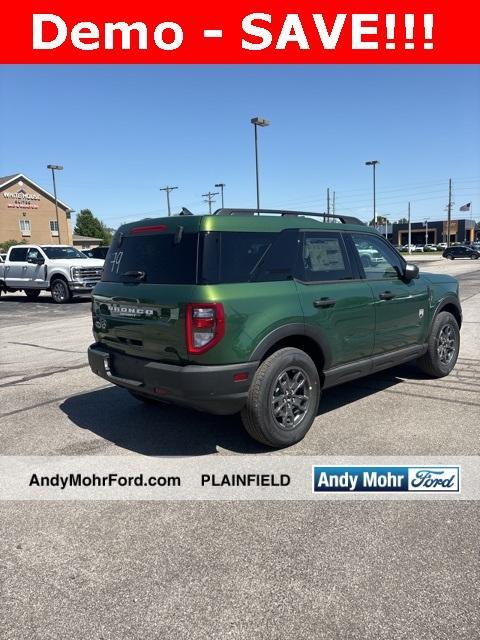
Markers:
point(411, 271)
point(35, 260)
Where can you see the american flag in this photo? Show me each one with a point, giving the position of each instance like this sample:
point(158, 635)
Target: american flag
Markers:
point(466, 207)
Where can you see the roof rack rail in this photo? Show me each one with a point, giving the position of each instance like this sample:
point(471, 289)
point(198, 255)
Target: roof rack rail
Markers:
point(284, 212)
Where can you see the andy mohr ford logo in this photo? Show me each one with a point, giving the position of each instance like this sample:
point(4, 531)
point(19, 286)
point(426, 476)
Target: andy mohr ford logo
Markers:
point(385, 479)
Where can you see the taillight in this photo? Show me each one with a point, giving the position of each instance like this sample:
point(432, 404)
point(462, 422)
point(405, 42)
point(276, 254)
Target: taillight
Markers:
point(205, 326)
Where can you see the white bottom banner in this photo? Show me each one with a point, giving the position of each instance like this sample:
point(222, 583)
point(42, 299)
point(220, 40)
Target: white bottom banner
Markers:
point(270, 477)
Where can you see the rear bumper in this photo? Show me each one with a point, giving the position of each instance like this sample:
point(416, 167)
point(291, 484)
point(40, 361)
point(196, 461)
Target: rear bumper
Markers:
point(203, 387)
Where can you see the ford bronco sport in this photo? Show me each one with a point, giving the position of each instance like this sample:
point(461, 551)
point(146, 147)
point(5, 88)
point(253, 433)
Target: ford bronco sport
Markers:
point(259, 312)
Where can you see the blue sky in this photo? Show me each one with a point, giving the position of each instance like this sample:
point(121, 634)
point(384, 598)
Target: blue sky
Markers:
point(122, 132)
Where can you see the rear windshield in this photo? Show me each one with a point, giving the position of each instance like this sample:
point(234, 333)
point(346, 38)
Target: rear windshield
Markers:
point(157, 259)
point(204, 258)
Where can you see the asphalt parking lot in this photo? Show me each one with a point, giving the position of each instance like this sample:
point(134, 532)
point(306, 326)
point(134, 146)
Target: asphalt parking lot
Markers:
point(232, 570)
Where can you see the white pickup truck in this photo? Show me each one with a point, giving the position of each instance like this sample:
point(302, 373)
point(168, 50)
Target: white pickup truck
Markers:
point(60, 269)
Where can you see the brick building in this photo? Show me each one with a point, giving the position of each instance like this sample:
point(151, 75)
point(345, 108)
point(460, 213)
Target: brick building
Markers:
point(27, 212)
point(460, 231)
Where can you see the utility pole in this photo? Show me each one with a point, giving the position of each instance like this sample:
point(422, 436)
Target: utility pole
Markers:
point(449, 214)
point(409, 231)
point(209, 198)
point(426, 231)
point(328, 204)
point(333, 204)
point(167, 190)
point(221, 186)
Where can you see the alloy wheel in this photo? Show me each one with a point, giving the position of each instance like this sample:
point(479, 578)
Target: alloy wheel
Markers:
point(58, 291)
point(290, 398)
point(446, 344)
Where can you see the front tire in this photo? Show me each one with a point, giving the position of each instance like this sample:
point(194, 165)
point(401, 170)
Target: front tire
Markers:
point(60, 291)
point(443, 346)
point(283, 398)
point(32, 293)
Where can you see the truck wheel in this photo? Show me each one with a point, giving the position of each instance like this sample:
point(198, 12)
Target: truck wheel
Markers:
point(60, 291)
point(32, 293)
point(283, 398)
point(443, 346)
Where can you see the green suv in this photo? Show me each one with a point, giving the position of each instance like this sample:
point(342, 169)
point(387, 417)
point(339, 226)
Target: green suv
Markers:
point(258, 312)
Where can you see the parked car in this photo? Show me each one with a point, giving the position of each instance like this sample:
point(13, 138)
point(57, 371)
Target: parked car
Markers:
point(413, 247)
point(452, 253)
point(97, 252)
point(442, 245)
point(258, 314)
point(60, 269)
point(430, 247)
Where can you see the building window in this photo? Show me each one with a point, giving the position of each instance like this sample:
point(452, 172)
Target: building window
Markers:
point(25, 227)
point(54, 227)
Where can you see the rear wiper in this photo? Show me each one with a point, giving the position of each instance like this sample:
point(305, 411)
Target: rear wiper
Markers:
point(139, 275)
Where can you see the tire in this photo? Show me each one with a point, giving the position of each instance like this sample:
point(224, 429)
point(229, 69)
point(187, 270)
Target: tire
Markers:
point(141, 398)
point(443, 346)
point(258, 414)
point(474, 257)
point(60, 291)
point(32, 293)
point(450, 257)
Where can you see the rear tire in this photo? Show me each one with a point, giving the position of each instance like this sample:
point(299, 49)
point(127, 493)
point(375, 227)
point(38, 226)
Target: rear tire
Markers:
point(450, 257)
point(60, 291)
point(32, 293)
point(443, 346)
point(283, 398)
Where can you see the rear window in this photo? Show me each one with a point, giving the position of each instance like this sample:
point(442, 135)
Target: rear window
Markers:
point(205, 258)
point(230, 257)
point(161, 260)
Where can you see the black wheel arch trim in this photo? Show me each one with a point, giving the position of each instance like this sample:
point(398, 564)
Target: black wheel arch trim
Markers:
point(445, 302)
point(291, 330)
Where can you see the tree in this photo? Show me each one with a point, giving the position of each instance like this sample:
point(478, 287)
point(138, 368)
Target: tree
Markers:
point(380, 220)
point(402, 221)
point(5, 246)
point(90, 225)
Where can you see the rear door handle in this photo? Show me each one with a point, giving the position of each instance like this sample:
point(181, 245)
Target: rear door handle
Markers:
point(324, 303)
point(386, 295)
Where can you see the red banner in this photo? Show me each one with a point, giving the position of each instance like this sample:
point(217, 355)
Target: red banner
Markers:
point(260, 31)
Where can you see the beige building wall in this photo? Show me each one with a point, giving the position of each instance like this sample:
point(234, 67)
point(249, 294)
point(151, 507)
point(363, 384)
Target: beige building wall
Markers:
point(22, 201)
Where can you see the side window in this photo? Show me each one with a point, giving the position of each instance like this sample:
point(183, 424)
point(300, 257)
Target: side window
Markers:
point(18, 255)
point(323, 258)
point(33, 254)
point(379, 261)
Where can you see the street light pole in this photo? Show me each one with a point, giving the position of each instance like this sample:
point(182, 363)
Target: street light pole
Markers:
point(167, 190)
point(373, 163)
point(258, 122)
point(221, 186)
point(53, 168)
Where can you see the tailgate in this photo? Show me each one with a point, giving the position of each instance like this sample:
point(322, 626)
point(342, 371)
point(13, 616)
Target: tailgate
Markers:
point(143, 320)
